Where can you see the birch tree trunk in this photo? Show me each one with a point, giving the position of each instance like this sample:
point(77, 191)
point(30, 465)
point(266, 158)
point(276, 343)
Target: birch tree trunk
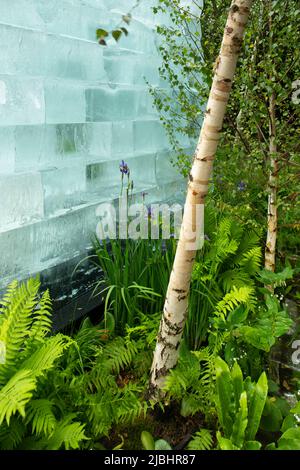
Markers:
point(176, 303)
point(270, 250)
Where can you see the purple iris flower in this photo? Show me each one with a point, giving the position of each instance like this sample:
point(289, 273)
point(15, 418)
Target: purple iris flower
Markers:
point(241, 186)
point(124, 169)
point(150, 212)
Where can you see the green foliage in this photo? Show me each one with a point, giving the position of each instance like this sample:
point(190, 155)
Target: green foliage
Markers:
point(120, 30)
point(136, 275)
point(149, 443)
point(240, 404)
point(192, 382)
point(269, 64)
point(202, 440)
point(290, 437)
point(224, 273)
point(60, 393)
point(25, 418)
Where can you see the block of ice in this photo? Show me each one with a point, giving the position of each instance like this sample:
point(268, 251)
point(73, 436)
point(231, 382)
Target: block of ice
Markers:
point(63, 188)
point(22, 51)
point(122, 139)
point(21, 13)
point(38, 246)
point(166, 172)
point(21, 100)
point(109, 104)
point(29, 146)
point(145, 107)
point(7, 150)
point(130, 68)
point(149, 136)
point(74, 59)
point(97, 173)
point(71, 140)
point(140, 38)
point(65, 102)
point(142, 170)
point(99, 140)
point(120, 66)
point(61, 17)
point(21, 199)
point(104, 178)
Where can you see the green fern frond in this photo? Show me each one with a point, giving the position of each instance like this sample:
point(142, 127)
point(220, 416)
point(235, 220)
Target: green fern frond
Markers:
point(235, 278)
point(43, 359)
point(15, 395)
point(67, 434)
point(234, 298)
point(251, 260)
point(19, 303)
point(202, 440)
point(41, 416)
point(11, 436)
point(42, 322)
point(249, 241)
point(119, 354)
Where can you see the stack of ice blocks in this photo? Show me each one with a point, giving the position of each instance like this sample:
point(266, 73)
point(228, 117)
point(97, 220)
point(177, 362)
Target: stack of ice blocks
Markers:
point(70, 110)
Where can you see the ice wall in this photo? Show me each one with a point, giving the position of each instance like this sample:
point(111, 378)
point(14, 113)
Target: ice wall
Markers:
point(69, 111)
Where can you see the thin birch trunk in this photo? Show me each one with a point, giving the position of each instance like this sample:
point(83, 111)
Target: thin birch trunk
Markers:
point(176, 303)
point(270, 251)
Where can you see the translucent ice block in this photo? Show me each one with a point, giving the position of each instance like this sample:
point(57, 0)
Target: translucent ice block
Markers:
point(21, 100)
point(38, 246)
point(22, 51)
point(63, 188)
point(21, 13)
point(74, 59)
point(99, 140)
point(122, 139)
point(149, 136)
point(109, 104)
point(65, 102)
point(21, 199)
point(166, 171)
point(129, 68)
point(29, 146)
point(7, 150)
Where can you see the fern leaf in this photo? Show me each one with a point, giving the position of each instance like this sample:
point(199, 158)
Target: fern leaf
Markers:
point(16, 394)
point(67, 434)
point(201, 441)
point(43, 359)
point(11, 436)
point(18, 305)
point(41, 416)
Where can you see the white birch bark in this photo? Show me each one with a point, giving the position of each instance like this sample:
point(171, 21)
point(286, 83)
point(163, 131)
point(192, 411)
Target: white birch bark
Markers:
point(176, 303)
point(270, 251)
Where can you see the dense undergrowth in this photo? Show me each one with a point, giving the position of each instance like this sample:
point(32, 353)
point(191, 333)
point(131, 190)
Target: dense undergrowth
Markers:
point(89, 391)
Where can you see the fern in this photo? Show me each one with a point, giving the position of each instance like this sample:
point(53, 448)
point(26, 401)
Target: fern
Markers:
point(16, 394)
point(251, 260)
point(67, 434)
point(202, 440)
point(40, 415)
point(119, 354)
point(11, 436)
point(43, 358)
point(232, 300)
point(18, 305)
